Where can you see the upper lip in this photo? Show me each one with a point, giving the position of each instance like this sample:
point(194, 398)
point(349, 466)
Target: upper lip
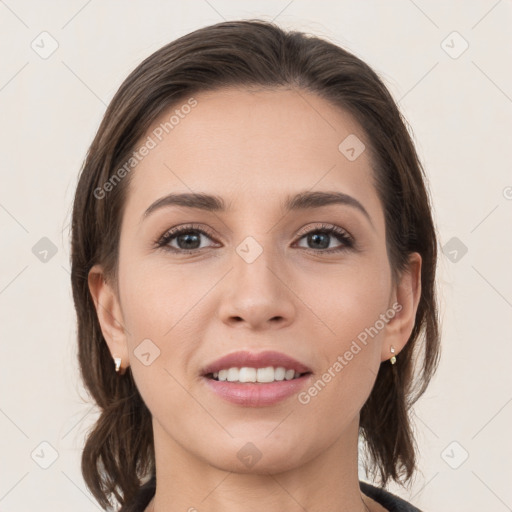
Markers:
point(255, 360)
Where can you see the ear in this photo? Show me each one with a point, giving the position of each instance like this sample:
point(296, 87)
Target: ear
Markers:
point(109, 314)
point(405, 298)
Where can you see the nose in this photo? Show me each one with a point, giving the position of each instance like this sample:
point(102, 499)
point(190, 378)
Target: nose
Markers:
point(255, 292)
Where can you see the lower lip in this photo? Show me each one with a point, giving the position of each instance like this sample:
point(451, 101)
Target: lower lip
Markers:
point(250, 394)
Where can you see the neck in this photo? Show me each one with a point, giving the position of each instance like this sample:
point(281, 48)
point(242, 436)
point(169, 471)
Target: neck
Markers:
point(328, 481)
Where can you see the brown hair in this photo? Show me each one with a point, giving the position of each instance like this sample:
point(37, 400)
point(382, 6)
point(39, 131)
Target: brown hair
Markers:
point(119, 451)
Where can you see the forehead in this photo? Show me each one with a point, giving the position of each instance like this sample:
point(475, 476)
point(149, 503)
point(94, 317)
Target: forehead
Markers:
point(252, 147)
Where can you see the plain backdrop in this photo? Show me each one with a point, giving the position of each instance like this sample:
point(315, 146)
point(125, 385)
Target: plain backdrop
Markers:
point(448, 66)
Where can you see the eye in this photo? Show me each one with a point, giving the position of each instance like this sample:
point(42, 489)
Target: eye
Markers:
point(321, 236)
point(188, 239)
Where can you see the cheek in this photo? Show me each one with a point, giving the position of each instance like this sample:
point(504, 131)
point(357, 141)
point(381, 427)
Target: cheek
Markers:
point(161, 305)
point(346, 298)
point(165, 309)
point(158, 297)
point(351, 309)
point(349, 349)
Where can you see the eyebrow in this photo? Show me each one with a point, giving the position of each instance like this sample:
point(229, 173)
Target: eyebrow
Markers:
point(301, 201)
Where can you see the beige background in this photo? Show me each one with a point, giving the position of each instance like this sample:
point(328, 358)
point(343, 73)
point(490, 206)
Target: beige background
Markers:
point(460, 108)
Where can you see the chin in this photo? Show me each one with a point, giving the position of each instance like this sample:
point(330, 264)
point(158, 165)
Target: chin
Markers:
point(257, 455)
point(268, 464)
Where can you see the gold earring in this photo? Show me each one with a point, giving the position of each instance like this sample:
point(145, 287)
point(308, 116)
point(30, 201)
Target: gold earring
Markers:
point(117, 360)
point(393, 358)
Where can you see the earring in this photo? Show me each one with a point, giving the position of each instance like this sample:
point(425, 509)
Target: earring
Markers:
point(393, 358)
point(117, 360)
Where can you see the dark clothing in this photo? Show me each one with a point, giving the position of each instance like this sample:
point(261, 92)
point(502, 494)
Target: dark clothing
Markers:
point(386, 499)
point(389, 501)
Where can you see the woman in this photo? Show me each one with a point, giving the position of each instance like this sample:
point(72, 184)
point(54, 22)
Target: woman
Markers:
point(253, 270)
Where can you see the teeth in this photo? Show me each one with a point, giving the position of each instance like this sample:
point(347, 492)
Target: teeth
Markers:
point(246, 374)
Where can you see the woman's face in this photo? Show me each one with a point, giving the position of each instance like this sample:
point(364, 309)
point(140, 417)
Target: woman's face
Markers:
point(256, 281)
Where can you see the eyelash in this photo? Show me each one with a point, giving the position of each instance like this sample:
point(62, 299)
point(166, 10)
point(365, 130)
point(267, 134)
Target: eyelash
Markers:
point(341, 235)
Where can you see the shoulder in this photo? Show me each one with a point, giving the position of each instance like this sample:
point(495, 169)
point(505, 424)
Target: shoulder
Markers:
point(389, 501)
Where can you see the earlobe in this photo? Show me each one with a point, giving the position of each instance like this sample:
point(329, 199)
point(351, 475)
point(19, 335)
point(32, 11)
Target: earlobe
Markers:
point(405, 302)
point(109, 315)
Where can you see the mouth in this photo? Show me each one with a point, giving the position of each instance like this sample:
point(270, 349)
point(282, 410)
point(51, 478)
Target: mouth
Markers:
point(249, 375)
point(269, 365)
point(251, 379)
point(256, 394)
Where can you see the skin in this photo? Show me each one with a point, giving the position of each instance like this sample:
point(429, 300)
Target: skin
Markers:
point(253, 148)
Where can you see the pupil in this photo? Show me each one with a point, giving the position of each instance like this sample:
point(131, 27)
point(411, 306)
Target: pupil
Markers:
point(187, 238)
point(316, 236)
